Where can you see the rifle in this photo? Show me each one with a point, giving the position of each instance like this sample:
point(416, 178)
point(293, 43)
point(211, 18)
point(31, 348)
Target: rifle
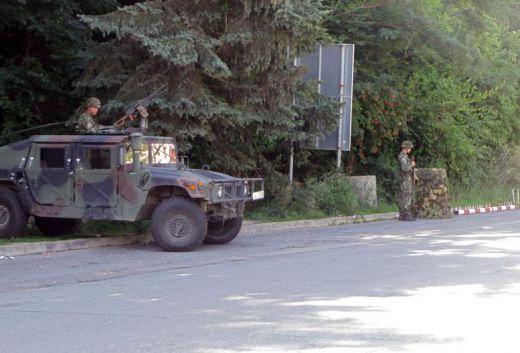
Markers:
point(139, 107)
point(414, 172)
point(415, 211)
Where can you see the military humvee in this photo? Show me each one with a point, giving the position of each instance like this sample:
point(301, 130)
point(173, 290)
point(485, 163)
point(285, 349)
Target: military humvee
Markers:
point(62, 180)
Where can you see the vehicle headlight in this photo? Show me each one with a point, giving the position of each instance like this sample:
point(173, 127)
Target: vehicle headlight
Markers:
point(220, 191)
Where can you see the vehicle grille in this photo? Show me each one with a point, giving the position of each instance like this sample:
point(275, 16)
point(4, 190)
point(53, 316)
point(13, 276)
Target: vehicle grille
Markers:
point(236, 190)
point(233, 191)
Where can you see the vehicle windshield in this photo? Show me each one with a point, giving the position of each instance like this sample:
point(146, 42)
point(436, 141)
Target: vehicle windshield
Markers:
point(155, 152)
point(162, 153)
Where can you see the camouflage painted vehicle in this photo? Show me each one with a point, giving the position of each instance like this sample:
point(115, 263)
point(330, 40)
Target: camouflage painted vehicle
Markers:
point(63, 180)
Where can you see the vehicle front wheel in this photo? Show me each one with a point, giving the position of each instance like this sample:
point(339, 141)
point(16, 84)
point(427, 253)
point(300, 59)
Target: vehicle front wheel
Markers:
point(179, 224)
point(222, 232)
point(56, 227)
point(13, 219)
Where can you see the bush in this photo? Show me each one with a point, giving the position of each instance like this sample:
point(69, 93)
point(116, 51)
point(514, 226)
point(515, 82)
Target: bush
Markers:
point(334, 195)
point(331, 195)
point(303, 201)
point(506, 168)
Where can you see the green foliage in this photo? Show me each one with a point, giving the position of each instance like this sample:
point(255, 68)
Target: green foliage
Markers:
point(444, 74)
point(231, 84)
point(505, 167)
point(331, 195)
point(43, 50)
point(481, 195)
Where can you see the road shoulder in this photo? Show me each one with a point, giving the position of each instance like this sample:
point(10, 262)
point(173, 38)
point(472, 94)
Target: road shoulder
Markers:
point(249, 228)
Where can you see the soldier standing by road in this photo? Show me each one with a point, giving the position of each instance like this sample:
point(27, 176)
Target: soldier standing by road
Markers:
point(406, 176)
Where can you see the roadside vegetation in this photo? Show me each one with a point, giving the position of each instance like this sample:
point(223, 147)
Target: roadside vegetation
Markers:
point(481, 196)
point(443, 74)
point(328, 196)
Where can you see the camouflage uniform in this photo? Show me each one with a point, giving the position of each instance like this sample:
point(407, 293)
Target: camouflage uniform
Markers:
point(86, 124)
point(405, 183)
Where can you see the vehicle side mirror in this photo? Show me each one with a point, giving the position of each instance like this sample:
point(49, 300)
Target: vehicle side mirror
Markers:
point(185, 160)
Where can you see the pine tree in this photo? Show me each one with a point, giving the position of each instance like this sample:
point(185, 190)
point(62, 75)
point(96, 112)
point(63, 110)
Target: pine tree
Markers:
point(231, 83)
point(44, 49)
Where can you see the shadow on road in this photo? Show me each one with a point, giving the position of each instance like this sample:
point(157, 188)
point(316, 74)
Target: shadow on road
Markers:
point(424, 290)
point(447, 286)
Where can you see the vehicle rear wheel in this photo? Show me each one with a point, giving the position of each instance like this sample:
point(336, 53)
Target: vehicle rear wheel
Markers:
point(56, 227)
point(179, 224)
point(222, 232)
point(13, 219)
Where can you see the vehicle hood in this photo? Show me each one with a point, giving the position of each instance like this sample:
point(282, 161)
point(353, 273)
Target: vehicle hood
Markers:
point(165, 174)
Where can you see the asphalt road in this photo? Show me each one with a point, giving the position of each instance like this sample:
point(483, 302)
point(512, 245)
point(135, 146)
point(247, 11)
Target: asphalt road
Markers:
point(427, 286)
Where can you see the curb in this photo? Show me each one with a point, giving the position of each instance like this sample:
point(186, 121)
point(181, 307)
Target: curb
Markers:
point(248, 228)
point(253, 228)
point(487, 209)
point(18, 249)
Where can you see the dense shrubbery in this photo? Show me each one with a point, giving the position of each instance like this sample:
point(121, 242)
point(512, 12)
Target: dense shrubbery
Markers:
point(444, 74)
point(333, 195)
point(330, 195)
point(45, 47)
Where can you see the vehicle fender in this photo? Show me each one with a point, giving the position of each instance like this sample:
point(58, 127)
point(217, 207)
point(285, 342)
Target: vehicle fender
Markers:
point(189, 185)
point(23, 194)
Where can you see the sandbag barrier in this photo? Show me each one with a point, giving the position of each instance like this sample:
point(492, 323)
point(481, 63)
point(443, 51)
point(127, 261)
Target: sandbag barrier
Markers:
point(431, 196)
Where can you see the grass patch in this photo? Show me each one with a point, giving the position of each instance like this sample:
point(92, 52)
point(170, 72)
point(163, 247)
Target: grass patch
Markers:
point(480, 196)
point(271, 214)
point(382, 207)
point(332, 195)
point(267, 214)
point(33, 239)
point(92, 229)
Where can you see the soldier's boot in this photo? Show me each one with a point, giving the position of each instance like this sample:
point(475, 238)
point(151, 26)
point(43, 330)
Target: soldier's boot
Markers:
point(406, 216)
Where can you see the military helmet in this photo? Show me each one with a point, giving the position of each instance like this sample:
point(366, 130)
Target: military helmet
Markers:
point(92, 102)
point(407, 144)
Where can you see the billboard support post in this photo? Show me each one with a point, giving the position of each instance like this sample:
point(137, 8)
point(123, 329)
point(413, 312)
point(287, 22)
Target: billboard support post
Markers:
point(341, 100)
point(291, 149)
point(291, 163)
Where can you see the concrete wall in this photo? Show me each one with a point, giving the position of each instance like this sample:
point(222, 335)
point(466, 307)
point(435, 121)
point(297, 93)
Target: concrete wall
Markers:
point(366, 188)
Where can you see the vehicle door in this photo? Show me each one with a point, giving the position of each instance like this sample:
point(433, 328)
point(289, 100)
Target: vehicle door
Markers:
point(96, 175)
point(49, 174)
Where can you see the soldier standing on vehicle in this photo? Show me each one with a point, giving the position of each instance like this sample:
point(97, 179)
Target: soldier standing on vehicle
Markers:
point(406, 178)
point(86, 122)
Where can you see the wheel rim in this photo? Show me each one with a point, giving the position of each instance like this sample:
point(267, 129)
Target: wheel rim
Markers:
point(5, 216)
point(178, 227)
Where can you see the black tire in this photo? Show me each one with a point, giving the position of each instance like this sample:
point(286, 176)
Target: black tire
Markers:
point(56, 227)
point(223, 232)
point(179, 224)
point(13, 219)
